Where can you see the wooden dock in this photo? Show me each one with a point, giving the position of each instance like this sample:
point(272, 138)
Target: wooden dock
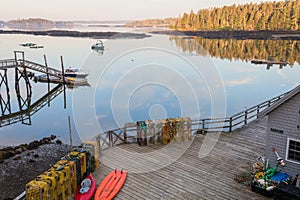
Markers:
point(188, 176)
point(270, 63)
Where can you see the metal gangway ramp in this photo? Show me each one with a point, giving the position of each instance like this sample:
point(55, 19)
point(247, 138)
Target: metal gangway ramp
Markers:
point(26, 64)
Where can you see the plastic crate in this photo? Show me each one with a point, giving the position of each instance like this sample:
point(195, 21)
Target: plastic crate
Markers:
point(262, 191)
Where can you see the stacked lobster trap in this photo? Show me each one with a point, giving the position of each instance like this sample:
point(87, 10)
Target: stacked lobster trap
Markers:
point(164, 131)
point(62, 179)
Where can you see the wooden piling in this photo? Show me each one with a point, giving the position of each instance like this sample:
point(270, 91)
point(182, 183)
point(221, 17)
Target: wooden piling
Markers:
point(48, 79)
point(62, 69)
point(70, 131)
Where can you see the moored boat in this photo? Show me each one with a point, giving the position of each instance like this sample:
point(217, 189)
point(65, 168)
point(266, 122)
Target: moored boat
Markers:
point(36, 47)
point(28, 44)
point(73, 72)
point(98, 45)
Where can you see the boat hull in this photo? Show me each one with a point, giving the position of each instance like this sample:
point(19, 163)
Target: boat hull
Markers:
point(75, 75)
point(88, 195)
point(111, 185)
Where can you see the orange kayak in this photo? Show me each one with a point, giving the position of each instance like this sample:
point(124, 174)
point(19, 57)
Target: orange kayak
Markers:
point(111, 185)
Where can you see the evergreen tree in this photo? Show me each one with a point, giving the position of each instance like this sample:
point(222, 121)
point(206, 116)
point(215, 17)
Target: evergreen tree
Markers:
point(284, 15)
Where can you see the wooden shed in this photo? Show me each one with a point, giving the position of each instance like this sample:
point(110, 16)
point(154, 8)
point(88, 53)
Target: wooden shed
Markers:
point(283, 131)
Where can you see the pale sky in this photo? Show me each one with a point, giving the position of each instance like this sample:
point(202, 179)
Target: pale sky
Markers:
point(105, 9)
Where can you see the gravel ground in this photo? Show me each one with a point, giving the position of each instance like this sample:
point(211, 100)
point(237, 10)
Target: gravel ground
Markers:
point(16, 171)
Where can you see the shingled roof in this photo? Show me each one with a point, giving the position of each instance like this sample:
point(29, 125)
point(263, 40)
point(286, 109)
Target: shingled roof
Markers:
point(288, 96)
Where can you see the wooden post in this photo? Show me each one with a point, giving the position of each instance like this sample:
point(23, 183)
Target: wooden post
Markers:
point(110, 138)
point(63, 77)
point(6, 103)
point(203, 126)
point(70, 131)
point(246, 117)
point(46, 65)
point(230, 124)
point(62, 69)
point(125, 134)
point(48, 79)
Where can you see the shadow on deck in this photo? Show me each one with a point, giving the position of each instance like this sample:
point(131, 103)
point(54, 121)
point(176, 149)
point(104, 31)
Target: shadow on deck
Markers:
point(175, 171)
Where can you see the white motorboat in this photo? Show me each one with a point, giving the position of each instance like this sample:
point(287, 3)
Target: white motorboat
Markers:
point(98, 46)
point(73, 72)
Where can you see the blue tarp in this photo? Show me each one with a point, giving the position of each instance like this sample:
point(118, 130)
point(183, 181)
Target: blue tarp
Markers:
point(280, 177)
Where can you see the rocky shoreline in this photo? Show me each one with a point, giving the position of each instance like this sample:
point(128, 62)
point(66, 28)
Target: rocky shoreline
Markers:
point(240, 35)
point(222, 34)
point(27, 161)
point(8, 152)
point(65, 33)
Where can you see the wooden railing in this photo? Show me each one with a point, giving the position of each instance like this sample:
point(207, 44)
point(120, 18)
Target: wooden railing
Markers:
point(228, 124)
point(110, 138)
point(202, 126)
point(117, 136)
point(8, 63)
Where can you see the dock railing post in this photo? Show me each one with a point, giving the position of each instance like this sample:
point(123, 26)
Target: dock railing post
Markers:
point(125, 134)
point(246, 117)
point(230, 124)
point(110, 138)
point(203, 126)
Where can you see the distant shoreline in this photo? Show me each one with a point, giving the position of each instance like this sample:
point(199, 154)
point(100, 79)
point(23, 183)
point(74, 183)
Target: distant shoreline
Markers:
point(223, 34)
point(65, 33)
point(240, 35)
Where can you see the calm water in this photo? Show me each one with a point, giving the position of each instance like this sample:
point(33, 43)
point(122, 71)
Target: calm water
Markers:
point(151, 78)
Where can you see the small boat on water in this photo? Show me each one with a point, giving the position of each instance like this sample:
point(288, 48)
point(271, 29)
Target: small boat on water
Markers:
point(28, 44)
point(36, 47)
point(31, 45)
point(73, 72)
point(98, 46)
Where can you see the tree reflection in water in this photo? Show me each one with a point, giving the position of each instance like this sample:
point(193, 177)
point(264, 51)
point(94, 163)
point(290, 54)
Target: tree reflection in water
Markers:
point(245, 50)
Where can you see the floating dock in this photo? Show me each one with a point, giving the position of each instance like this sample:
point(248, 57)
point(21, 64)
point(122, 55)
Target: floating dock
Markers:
point(269, 62)
point(67, 80)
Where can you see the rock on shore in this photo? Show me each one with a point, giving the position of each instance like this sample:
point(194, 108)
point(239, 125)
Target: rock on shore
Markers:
point(12, 151)
point(25, 165)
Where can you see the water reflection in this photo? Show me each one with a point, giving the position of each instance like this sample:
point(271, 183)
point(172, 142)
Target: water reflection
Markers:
point(99, 52)
point(25, 111)
point(143, 79)
point(245, 50)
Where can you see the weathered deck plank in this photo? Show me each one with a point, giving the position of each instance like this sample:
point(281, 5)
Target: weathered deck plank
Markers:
point(188, 176)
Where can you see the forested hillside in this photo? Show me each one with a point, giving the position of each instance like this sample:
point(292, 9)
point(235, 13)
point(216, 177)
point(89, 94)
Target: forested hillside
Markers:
point(153, 22)
point(246, 50)
point(284, 15)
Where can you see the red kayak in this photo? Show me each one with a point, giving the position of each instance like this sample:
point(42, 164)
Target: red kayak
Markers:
point(86, 189)
point(111, 185)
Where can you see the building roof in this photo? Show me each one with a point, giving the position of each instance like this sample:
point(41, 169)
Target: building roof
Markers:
point(288, 96)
